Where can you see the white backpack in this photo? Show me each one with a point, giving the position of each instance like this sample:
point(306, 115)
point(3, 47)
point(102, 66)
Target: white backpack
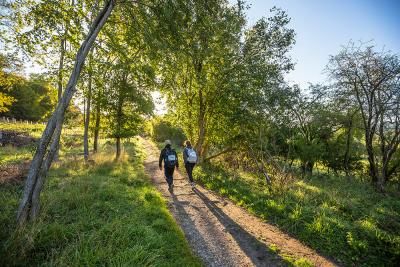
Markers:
point(192, 156)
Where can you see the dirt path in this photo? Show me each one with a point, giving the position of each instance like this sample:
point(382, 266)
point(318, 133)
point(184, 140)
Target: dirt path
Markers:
point(219, 232)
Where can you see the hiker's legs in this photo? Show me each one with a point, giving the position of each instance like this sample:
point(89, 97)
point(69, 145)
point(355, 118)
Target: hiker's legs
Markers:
point(169, 172)
point(189, 169)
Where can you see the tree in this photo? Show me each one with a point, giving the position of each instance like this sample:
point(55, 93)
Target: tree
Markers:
point(195, 71)
point(373, 81)
point(127, 101)
point(9, 67)
point(35, 99)
point(30, 203)
point(315, 124)
point(217, 86)
point(345, 150)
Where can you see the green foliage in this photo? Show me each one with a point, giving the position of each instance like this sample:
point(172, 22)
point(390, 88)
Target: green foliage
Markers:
point(108, 213)
point(376, 99)
point(217, 86)
point(342, 218)
point(334, 149)
point(162, 130)
point(5, 102)
point(29, 99)
point(34, 100)
point(8, 77)
point(73, 115)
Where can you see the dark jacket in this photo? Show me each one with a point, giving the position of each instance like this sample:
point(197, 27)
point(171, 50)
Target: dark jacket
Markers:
point(162, 156)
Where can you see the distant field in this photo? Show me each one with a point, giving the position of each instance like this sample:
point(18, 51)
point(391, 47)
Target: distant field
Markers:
point(34, 130)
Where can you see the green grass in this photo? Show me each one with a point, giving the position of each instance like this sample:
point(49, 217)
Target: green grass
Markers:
point(105, 214)
point(34, 130)
point(13, 155)
point(344, 219)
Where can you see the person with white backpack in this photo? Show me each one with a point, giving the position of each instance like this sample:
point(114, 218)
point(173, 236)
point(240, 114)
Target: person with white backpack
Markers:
point(170, 159)
point(190, 160)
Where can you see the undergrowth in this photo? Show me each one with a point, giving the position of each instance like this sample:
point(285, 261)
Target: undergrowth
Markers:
point(344, 219)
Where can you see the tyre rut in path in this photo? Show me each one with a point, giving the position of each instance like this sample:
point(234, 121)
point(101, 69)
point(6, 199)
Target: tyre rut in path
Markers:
point(218, 231)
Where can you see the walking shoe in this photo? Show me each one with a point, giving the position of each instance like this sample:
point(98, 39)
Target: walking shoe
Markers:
point(192, 184)
point(171, 188)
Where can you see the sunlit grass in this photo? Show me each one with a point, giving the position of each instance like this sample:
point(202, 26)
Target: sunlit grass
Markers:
point(342, 218)
point(34, 130)
point(13, 155)
point(103, 213)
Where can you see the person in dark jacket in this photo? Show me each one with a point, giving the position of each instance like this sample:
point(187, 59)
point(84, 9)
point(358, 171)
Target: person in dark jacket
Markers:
point(170, 159)
point(190, 160)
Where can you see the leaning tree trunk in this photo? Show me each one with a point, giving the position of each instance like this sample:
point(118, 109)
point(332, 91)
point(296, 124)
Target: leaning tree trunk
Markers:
point(43, 172)
point(29, 207)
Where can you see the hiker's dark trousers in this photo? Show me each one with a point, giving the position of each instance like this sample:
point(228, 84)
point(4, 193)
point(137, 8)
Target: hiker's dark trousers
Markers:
point(189, 169)
point(169, 175)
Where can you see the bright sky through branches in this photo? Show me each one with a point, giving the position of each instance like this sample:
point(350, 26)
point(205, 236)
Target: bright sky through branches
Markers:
point(323, 26)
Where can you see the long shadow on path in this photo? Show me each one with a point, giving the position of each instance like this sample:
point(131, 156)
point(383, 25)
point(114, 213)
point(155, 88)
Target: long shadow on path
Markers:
point(214, 236)
point(257, 251)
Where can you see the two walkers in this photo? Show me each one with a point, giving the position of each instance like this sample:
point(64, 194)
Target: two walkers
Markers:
point(170, 159)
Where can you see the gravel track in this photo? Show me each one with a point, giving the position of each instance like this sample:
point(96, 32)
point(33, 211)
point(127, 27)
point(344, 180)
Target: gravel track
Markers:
point(219, 232)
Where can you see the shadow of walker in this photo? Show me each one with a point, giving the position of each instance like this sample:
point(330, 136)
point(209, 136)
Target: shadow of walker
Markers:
point(257, 251)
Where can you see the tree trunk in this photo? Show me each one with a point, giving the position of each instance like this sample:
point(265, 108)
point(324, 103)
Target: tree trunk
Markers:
point(96, 127)
point(307, 167)
point(38, 168)
point(202, 126)
point(118, 146)
point(190, 120)
point(201, 138)
point(371, 159)
point(347, 151)
point(218, 154)
point(87, 120)
point(60, 78)
point(119, 123)
point(43, 172)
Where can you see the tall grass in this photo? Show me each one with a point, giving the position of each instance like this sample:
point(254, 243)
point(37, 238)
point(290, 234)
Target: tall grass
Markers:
point(341, 218)
point(103, 214)
point(13, 155)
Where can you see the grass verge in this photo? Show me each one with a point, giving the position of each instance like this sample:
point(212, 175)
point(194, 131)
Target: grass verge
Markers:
point(344, 219)
point(104, 214)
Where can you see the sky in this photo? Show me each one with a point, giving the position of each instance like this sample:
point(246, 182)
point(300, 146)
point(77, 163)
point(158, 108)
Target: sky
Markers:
point(323, 27)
